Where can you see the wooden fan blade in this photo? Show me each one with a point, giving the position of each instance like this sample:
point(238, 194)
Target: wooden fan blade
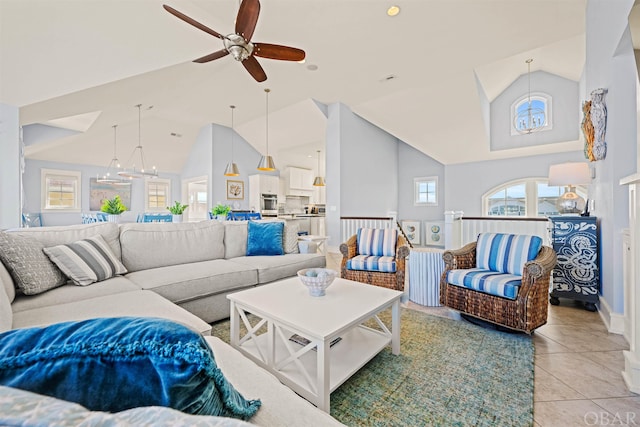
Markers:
point(247, 18)
point(255, 69)
point(275, 51)
point(212, 56)
point(191, 21)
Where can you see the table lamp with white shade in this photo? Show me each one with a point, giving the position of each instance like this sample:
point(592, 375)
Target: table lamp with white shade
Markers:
point(570, 175)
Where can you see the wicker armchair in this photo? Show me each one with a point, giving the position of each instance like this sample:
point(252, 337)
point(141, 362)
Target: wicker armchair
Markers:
point(529, 309)
point(395, 280)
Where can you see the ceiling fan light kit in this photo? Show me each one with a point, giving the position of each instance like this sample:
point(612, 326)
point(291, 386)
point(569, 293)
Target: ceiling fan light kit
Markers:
point(239, 44)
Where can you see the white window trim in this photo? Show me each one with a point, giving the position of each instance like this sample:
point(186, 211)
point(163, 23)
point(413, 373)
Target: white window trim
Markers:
point(416, 182)
point(66, 174)
point(146, 194)
point(548, 113)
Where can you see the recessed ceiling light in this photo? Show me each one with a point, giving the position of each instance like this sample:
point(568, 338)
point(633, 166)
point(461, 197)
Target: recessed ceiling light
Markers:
point(312, 67)
point(393, 10)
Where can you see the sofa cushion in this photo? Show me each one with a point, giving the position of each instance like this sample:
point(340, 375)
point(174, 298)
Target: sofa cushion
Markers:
point(290, 237)
point(506, 253)
point(135, 303)
point(235, 239)
point(7, 282)
point(86, 261)
point(377, 241)
point(60, 235)
point(114, 364)
point(6, 314)
point(486, 281)
point(272, 268)
point(151, 245)
point(384, 264)
point(185, 282)
point(265, 238)
point(31, 270)
point(20, 408)
point(71, 293)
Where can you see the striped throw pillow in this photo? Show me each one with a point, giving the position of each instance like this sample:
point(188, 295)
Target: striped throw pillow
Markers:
point(377, 241)
point(506, 253)
point(86, 261)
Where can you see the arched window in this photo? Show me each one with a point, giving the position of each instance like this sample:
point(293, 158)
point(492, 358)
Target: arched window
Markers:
point(540, 113)
point(531, 197)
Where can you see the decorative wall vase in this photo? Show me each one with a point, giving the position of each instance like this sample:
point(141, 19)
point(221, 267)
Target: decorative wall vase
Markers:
point(594, 125)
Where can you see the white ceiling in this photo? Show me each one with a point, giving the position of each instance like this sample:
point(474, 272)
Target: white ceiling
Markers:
point(63, 58)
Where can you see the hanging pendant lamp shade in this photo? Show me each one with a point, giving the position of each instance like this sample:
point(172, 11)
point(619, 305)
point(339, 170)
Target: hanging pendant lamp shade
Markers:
point(232, 168)
point(137, 154)
point(266, 161)
point(319, 180)
point(110, 176)
point(530, 119)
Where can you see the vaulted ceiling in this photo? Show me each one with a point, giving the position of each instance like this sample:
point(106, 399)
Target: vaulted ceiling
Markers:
point(84, 65)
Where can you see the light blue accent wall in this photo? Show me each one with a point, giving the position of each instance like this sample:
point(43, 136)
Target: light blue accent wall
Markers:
point(9, 167)
point(565, 112)
point(36, 133)
point(209, 157)
point(32, 191)
point(415, 164)
point(610, 64)
point(465, 183)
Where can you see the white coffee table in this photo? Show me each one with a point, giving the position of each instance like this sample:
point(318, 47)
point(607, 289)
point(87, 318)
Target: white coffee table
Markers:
point(286, 308)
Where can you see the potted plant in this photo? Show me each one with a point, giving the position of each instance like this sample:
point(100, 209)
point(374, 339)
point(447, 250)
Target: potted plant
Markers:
point(113, 208)
point(220, 211)
point(177, 210)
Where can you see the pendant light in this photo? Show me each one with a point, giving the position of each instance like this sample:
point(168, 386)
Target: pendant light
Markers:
point(137, 153)
point(266, 162)
point(232, 168)
point(110, 176)
point(319, 180)
point(531, 119)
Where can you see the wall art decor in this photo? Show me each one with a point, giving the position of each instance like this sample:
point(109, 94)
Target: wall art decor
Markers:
point(594, 125)
point(235, 190)
point(412, 231)
point(434, 233)
point(101, 191)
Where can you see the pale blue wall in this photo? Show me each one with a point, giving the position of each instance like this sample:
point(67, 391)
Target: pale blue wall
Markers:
point(32, 191)
point(610, 64)
point(9, 167)
point(465, 183)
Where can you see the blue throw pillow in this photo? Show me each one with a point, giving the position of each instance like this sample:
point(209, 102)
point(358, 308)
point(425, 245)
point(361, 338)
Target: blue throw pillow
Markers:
point(114, 364)
point(265, 238)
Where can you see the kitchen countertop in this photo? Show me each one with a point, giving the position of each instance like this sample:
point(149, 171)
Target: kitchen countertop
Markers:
point(294, 216)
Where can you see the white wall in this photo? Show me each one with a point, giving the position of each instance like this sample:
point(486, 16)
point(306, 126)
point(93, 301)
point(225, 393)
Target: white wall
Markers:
point(9, 167)
point(610, 64)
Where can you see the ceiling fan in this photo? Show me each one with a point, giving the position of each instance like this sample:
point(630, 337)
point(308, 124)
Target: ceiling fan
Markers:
point(239, 44)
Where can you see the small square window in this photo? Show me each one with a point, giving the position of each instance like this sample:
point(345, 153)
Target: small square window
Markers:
point(425, 191)
point(60, 190)
point(157, 195)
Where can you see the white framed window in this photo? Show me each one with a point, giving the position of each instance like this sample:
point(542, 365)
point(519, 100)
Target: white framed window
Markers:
point(540, 102)
point(530, 197)
point(425, 191)
point(60, 190)
point(157, 194)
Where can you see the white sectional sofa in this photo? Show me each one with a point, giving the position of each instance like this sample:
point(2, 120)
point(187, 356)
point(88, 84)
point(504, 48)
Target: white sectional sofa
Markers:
point(182, 272)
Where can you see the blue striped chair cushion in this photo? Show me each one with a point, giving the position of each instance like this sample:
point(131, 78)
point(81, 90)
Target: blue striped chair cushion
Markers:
point(487, 281)
point(506, 253)
point(377, 241)
point(384, 264)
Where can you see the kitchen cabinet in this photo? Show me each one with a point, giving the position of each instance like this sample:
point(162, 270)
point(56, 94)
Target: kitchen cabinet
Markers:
point(298, 181)
point(261, 184)
point(577, 273)
point(319, 195)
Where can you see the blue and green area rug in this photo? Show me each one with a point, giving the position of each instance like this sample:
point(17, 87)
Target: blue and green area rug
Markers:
point(449, 373)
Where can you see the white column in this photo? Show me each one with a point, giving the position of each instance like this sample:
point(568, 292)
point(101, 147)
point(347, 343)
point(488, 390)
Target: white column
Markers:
point(631, 373)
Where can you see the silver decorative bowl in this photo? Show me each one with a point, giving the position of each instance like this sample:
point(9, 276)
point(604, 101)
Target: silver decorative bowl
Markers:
point(317, 280)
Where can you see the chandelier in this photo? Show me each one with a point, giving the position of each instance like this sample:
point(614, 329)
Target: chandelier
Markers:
point(110, 176)
point(137, 154)
point(266, 162)
point(530, 119)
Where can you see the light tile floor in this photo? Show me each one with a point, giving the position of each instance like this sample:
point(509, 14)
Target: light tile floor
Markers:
point(578, 365)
